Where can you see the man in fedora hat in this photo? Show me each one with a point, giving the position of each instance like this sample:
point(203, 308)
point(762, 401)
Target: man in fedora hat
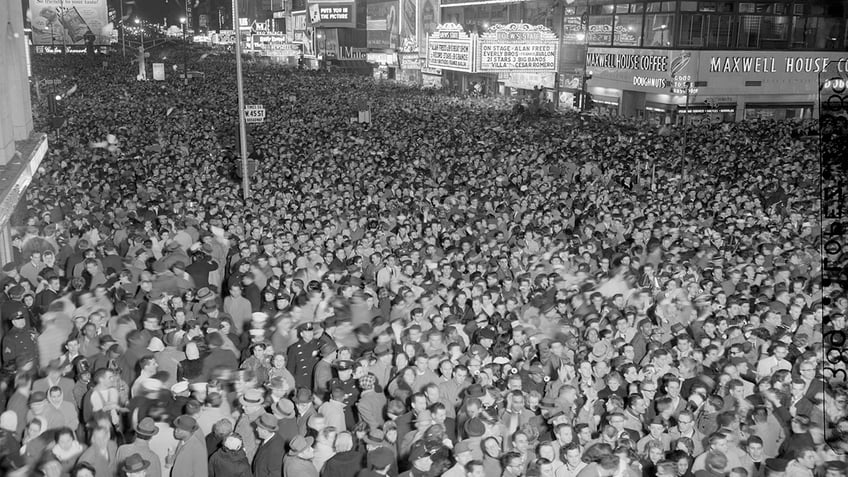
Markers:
point(269, 456)
point(140, 447)
point(136, 466)
point(252, 405)
point(298, 461)
point(190, 458)
point(305, 409)
point(283, 410)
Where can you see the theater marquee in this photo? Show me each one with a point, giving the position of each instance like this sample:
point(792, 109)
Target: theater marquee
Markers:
point(517, 47)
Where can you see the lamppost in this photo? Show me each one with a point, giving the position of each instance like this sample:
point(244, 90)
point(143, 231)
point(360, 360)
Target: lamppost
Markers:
point(185, 50)
point(138, 22)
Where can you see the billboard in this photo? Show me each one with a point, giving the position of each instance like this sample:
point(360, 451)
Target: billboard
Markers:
point(254, 11)
point(68, 22)
point(383, 23)
point(328, 14)
point(450, 48)
point(518, 47)
point(429, 18)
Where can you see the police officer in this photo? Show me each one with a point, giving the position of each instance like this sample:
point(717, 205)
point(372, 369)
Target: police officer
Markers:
point(20, 344)
point(303, 355)
point(346, 383)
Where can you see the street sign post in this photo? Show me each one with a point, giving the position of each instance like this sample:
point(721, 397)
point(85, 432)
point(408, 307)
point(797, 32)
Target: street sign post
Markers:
point(254, 113)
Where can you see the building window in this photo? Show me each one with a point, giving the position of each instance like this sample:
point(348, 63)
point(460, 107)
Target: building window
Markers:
point(658, 29)
point(692, 30)
point(720, 31)
point(775, 32)
point(749, 31)
point(600, 30)
point(628, 30)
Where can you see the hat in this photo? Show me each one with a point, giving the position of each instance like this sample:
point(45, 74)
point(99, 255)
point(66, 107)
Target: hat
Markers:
point(185, 423)
point(284, 409)
point(180, 387)
point(380, 458)
point(474, 391)
point(155, 345)
point(251, 397)
point(460, 447)
point(777, 465)
point(536, 369)
point(836, 465)
point(344, 365)
point(487, 333)
point(37, 396)
point(419, 452)
point(9, 421)
point(299, 444)
point(146, 428)
point(328, 347)
point(305, 326)
point(268, 422)
point(382, 349)
point(204, 294)
point(303, 396)
point(275, 383)
point(375, 437)
point(474, 427)
point(134, 463)
point(367, 382)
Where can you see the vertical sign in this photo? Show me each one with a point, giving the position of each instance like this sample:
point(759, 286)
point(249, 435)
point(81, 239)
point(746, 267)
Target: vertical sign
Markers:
point(428, 19)
point(159, 71)
point(409, 26)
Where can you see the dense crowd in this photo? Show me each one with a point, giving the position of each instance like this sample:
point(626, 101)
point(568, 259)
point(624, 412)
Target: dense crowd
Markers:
point(451, 289)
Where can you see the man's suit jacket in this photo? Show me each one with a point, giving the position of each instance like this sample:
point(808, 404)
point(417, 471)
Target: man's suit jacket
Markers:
point(269, 458)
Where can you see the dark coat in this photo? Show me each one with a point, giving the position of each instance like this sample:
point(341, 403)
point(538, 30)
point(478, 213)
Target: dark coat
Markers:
point(268, 461)
point(227, 463)
point(343, 464)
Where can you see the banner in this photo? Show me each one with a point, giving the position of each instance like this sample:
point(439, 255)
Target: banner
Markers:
point(68, 22)
point(518, 47)
point(383, 25)
point(409, 26)
point(303, 34)
point(450, 48)
point(329, 14)
point(409, 61)
point(328, 42)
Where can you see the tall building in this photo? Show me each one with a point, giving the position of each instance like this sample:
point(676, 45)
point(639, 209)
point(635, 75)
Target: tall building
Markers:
point(716, 60)
point(21, 149)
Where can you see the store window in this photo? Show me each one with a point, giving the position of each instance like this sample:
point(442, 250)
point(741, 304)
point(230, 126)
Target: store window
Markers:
point(818, 33)
point(628, 30)
point(658, 30)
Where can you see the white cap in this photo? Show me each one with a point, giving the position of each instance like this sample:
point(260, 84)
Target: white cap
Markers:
point(9, 421)
point(180, 387)
point(155, 345)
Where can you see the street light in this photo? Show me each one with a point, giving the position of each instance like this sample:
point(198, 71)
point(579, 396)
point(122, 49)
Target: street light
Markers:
point(185, 50)
point(137, 22)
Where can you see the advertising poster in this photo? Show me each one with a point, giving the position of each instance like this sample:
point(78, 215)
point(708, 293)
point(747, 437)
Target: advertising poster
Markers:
point(518, 47)
point(450, 48)
point(409, 26)
point(303, 34)
point(428, 19)
point(383, 23)
point(332, 14)
point(68, 22)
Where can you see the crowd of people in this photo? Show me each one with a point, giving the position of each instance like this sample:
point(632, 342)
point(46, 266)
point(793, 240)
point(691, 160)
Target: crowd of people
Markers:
point(448, 289)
